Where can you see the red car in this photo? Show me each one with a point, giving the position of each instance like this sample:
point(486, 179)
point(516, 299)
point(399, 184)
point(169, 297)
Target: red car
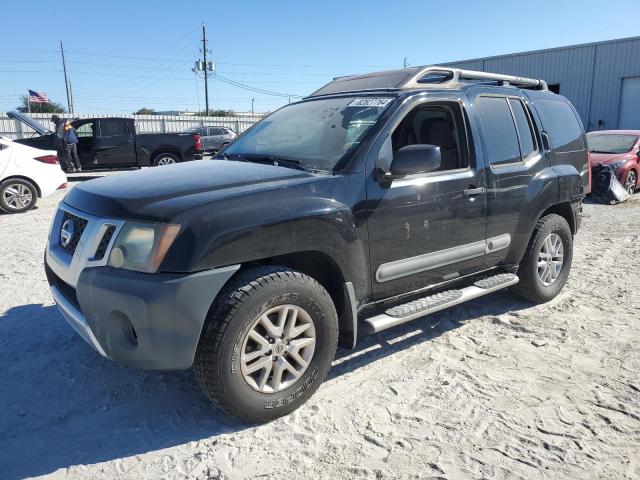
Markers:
point(620, 149)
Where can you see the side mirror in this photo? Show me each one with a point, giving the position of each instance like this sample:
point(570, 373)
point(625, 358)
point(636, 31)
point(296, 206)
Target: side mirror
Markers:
point(412, 159)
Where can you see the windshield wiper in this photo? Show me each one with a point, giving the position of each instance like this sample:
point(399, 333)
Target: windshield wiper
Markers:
point(277, 161)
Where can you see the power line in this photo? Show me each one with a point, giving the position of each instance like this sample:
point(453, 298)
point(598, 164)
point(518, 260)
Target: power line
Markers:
point(158, 59)
point(254, 89)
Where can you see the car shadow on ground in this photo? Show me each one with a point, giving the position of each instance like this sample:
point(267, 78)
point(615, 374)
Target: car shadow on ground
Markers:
point(72, 177)
point(64, 405)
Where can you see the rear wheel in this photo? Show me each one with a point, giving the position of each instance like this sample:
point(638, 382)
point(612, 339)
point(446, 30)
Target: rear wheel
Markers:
point(267, 344)
point(630, 183)
point(17, 195)
point(545, 267)
point(165, 159)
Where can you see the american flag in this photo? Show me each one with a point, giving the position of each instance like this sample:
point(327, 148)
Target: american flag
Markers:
point(37, 97)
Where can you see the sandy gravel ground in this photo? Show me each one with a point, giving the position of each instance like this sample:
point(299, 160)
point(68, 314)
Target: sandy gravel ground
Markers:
point(493, 389)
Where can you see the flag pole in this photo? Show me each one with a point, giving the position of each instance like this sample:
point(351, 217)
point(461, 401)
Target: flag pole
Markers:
point(29, 103)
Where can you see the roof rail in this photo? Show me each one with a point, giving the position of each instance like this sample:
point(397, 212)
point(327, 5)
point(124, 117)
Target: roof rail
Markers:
point(451, 77)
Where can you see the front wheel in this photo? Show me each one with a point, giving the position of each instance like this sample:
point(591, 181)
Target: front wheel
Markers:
point(17, 195)
point(267, 344)
point(630, 183)
point(545, 267)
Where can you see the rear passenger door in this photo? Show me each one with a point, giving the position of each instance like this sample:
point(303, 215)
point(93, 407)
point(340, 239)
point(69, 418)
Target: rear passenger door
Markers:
point(114, 143)
point(513, 157)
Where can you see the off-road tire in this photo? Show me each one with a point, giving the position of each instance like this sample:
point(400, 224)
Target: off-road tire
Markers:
point(6, 207)
point(217, 362)
point(530, 288)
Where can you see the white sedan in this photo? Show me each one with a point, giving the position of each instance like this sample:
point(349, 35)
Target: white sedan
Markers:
point(27, 173)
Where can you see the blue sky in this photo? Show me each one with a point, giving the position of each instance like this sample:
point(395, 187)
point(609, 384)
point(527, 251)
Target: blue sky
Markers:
point(123, 55)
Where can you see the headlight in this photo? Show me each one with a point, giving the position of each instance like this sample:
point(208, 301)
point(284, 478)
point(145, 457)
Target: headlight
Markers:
point(142, 246)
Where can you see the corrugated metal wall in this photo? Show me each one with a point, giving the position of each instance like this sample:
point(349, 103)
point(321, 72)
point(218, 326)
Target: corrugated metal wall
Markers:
point(144, 123)
point(590, 75)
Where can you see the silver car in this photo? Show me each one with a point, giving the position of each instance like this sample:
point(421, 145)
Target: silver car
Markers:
point(215, 138)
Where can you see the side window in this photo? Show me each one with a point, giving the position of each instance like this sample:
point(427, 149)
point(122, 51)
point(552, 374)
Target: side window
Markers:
point(500, 137)
point(216, 131)
point(562, 125)
point(435, 124)
point(113, 128)
point(526, 134)
point(85, 130)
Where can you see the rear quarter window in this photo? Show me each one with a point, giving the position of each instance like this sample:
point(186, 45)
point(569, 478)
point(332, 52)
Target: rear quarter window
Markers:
point(562, 125)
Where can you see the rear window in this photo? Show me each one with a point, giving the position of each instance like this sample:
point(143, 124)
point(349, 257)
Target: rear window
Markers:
point(501, 140)
point(562, 125)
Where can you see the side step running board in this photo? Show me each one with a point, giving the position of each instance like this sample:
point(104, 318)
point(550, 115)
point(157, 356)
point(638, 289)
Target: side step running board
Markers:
point(425, 306)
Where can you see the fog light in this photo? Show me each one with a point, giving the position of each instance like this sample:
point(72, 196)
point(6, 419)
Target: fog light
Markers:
point(117, 258)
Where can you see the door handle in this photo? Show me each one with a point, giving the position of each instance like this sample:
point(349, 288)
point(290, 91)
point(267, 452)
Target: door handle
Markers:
point(473, 191)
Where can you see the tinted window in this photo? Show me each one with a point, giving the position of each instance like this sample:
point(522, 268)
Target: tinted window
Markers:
point(525, 129)
point(500, 138)
point(214, 131)
point(561, 124)
point(112, 128)
point(439, 125)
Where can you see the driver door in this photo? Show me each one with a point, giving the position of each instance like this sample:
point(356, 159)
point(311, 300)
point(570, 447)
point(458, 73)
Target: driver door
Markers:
point(427, 228)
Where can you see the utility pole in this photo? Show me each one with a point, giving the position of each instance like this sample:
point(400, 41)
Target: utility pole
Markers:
point(406, 63)
point(252, 100)
point(71, 98)
point(66, 81)
point(206, 83)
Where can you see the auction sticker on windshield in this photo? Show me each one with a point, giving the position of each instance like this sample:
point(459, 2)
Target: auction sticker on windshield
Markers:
point(370, 102)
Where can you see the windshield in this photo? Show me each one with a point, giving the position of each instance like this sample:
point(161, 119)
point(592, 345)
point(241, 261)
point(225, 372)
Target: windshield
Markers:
point(602, 143)
point(317, 134)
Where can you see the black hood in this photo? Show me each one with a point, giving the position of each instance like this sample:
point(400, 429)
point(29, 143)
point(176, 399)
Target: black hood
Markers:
point(160, 194)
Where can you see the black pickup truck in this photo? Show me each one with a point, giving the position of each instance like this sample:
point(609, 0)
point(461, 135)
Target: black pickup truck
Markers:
point(113, 143)
point(377, 200)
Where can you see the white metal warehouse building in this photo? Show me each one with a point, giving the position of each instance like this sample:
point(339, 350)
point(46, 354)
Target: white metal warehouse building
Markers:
point(601, 79)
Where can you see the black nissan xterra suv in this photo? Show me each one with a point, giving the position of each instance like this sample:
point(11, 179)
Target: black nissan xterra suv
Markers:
point(377, 200)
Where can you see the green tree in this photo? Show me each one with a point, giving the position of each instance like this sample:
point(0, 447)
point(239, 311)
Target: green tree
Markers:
point(51, 107)
point(145, 111)
point(217, 113)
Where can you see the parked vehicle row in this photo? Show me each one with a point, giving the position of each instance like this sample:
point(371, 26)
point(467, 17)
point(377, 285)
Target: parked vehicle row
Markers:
point(26, 174)
point(620, 150)
point(377, 200)
point(213, 139)
point(113, 143)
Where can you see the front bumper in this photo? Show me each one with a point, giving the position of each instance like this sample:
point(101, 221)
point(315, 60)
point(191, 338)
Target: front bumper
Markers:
point(144, 320)
point(141, 320)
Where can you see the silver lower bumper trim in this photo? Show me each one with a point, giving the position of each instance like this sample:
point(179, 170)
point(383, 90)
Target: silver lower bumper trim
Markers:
point(76, 319)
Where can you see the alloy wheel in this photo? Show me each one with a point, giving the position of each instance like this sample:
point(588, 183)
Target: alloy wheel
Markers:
point(165, 161)
point(17, 196)
point(550, 259)
point(630, 184)
point(278, 348)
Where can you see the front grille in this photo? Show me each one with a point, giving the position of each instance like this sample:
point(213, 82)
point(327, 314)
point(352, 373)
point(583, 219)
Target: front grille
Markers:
point(79, 225)
point(104, 242)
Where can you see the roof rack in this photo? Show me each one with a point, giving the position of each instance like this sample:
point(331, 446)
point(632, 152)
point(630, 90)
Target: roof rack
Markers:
point(452, 77)
point(422, 77)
